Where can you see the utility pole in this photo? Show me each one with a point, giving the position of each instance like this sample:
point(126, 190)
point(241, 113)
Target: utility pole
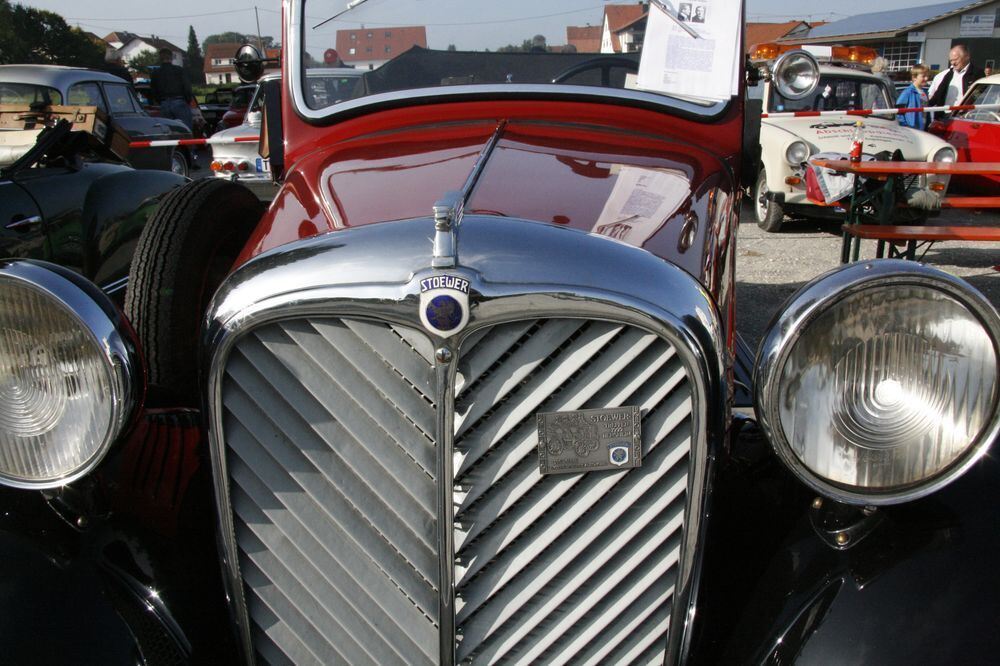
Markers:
point(260, 41)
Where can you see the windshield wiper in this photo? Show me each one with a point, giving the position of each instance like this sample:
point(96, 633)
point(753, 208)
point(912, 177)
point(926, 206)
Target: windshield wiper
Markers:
point(350, 5)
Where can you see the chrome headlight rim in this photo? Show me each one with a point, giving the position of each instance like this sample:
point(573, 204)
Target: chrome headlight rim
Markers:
point(101, 321)
point(785, 63)
point(935, 155)
point(807, 151)
point(812, 301)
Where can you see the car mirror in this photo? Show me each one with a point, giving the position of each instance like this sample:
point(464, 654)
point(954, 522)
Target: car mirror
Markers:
point(249, 63)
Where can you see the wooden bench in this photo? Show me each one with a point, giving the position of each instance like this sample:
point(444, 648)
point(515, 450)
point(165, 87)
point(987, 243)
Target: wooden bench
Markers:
point(889, 234)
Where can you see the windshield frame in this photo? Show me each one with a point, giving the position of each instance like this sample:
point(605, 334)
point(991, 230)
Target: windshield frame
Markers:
point(703, 112)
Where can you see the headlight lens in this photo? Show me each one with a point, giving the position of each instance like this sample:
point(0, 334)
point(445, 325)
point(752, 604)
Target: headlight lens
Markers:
point(65, 390)
point(882, 394)
point(945, 154)
point(796, 153)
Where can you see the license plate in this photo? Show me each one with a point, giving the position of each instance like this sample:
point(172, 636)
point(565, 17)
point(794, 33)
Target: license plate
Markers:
point(263, 165)
point(588, 440)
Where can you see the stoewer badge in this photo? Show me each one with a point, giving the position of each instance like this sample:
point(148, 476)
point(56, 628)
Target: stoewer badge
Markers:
point(444, 304)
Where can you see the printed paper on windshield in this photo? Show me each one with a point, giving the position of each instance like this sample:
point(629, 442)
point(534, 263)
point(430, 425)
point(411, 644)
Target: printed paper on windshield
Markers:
point(677, 63)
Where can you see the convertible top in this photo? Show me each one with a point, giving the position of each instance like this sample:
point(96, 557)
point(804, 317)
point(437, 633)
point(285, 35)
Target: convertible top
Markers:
point(426, 68)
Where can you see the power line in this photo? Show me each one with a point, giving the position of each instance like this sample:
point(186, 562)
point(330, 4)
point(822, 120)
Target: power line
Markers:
point(156, 18)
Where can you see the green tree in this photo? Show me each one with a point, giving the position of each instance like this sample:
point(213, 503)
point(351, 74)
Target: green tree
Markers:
point(142, 61)
point(224, 38)
point(36, 36)
point(194, 60)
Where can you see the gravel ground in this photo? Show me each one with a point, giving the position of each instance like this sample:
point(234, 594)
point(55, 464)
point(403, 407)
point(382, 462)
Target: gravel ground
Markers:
point(770, 267)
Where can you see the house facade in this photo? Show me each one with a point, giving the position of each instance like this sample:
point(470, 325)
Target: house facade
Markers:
point(219, 65)
point(139, 45)
point(624, 28)
point(368, 48)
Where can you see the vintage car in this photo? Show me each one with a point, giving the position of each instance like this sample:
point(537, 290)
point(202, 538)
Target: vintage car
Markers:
point(242, 161)
point(975, 134)
point(470, 390)
point(66, 198)
point(238, 104)
point(214, 106)
point(787, 142)
point(52, 84)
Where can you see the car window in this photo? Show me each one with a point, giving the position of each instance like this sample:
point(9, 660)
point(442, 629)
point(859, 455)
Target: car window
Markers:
point(119, 98)
point(258, 100)
point(241, 97)
point(836, 93)
point(86, 94)
point(27, 93)
point(982, 94)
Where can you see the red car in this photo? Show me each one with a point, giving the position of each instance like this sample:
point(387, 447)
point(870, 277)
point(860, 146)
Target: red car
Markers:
point(237, 107)
point(975, 134)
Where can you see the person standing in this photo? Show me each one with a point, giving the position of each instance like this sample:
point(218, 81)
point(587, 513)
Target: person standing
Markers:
point(949, 86)
point(171, 87)
point(914, 96)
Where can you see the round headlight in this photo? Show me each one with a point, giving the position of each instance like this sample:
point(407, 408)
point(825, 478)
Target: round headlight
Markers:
point(796, 153)
point(67, 375)
point(796, 74)
point(878, 383)
point(945, 154)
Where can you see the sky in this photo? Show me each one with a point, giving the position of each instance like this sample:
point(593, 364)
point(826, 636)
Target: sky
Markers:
point(170, 20)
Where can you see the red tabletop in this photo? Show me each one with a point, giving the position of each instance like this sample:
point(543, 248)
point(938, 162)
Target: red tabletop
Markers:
point(875, 167)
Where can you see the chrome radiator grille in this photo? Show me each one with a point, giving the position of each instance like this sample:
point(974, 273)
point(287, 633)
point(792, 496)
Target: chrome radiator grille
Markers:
point(331, 445)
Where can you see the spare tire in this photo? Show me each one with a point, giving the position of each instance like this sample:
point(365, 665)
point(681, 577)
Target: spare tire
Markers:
point(184, 252)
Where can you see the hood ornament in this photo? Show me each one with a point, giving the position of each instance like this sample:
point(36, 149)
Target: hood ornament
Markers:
point(447, 216)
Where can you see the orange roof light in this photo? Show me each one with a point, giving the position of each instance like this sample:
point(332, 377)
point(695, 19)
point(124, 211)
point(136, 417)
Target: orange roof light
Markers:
point(863, 55)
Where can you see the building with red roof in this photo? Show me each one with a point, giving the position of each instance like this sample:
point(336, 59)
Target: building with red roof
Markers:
point(368, 48)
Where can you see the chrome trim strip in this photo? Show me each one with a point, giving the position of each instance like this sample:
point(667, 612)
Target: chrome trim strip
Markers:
point(110, 332)
point(517, 268)
point(815, 298)
point(294, 19)
point(444, 375)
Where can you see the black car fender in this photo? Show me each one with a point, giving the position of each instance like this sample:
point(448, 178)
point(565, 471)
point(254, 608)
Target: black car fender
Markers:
point(855, 585)
point(116, 209)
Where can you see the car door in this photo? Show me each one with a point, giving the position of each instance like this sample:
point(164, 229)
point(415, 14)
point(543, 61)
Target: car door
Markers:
point(21, 225)
point(127, 112)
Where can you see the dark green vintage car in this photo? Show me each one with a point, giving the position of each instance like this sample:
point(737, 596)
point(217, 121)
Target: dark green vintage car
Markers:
point(61, 200)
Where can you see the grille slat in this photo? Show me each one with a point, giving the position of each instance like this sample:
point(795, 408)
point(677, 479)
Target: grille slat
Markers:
point(522, 361)
point(331, 449)
point(364, 589)
point(332, 520)
point(330, 434)
point(533, 393)
point(477, 358)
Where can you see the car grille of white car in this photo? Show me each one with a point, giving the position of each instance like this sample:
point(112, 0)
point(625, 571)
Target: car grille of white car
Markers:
point(331, 431)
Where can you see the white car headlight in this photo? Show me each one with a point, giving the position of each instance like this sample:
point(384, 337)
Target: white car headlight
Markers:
point(68, 382)
point(796, 153)
point(878, 382)
point(945, 154)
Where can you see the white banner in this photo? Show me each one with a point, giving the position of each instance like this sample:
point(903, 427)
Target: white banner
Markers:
point(977, 25)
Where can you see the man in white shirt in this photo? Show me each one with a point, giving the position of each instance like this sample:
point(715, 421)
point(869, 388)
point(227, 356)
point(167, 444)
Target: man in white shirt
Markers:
point(949, 86)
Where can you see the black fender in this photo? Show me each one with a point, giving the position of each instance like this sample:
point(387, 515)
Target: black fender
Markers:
point(116, 209)
point(912, 583)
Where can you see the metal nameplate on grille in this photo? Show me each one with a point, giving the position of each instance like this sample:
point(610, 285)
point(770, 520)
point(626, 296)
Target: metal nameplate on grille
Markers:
point(589, 440)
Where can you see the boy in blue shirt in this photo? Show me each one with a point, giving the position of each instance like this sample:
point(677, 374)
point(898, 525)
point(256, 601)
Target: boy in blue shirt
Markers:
point(914, 96)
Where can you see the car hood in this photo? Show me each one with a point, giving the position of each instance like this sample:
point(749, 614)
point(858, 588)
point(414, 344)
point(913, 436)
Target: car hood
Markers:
point(663, 194)
point(835, 134)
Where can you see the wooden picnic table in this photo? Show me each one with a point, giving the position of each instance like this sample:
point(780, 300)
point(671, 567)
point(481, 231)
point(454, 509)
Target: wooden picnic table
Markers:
point(883, 199)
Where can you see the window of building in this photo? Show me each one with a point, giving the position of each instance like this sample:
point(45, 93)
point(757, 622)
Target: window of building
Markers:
point(351, 51)
point(368, 50)
point(370, 35)
point(388, 49)
point(901, 55)
point(353, 37)
point(388, 33)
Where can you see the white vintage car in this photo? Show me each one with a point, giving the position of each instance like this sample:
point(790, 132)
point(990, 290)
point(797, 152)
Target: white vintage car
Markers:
point(787, 142)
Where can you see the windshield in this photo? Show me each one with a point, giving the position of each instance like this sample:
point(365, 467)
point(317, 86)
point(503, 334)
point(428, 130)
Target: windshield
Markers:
point(982, 94)
point(401, 45)
point(28, 93)
point(836, 93)
point(241, 96)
